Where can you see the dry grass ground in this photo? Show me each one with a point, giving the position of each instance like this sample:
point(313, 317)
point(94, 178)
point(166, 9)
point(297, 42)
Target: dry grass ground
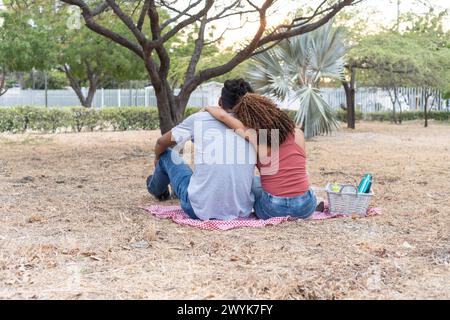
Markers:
point(69, 224)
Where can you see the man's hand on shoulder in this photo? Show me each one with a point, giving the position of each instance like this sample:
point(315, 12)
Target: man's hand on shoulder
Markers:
point(218, 113)
point(207, 108)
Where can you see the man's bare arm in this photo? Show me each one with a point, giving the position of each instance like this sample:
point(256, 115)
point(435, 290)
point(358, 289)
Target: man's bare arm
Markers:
point(162, 144)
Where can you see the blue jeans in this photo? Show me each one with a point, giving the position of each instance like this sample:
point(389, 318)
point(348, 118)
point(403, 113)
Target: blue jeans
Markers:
point(268, 206)
point(171, 169)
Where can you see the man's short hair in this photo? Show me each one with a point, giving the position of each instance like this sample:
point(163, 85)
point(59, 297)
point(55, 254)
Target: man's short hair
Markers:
point(233, 90)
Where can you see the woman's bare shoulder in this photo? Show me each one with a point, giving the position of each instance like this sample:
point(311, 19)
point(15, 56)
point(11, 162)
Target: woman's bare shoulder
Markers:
point(300, 138)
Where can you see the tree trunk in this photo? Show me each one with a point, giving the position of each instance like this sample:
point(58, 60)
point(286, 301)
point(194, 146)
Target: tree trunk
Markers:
point(349, 87)
point(93, 85)
point(400, 116)
point(90, 96)
point(46, 88)
point(3, 88)
point(170, 109)
point(21, 78)
point(393, 101)
point(394, 113)
point(75, 85)
point(33, 80)
point(350, 103)
point(425, 109)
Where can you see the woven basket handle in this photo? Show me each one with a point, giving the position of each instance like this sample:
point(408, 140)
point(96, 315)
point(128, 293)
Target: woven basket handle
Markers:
point(349, 185)
point(351, 178)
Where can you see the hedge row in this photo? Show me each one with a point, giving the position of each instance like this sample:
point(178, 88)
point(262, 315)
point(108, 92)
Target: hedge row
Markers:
point(408, 115)
point(388, 116)
point(20, 119)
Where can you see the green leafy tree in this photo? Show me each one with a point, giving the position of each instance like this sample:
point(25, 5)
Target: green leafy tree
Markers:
point(87, 59)
point(94, 63)
point(23, 46)
point(417, 57)
point(435, 73)
point(39, 80)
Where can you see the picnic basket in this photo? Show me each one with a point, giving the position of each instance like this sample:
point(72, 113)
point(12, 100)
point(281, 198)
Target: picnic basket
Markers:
point(347, 200)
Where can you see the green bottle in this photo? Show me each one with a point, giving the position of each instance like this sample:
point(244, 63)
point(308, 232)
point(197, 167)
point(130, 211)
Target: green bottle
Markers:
point(365, 184)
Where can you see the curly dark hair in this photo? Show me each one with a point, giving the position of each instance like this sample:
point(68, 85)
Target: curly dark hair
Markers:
point(258, 112)
point(232, 92)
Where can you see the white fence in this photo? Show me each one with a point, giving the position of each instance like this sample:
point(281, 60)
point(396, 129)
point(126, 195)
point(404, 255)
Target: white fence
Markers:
point(367, 99)
point(205, 95)
point(378, 99)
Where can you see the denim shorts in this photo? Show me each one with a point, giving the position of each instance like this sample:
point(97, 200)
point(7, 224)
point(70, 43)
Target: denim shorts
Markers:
point(268, 206)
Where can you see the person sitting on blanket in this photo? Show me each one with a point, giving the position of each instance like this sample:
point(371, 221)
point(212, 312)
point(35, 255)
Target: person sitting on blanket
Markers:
point(283, 187)
point(220, 186)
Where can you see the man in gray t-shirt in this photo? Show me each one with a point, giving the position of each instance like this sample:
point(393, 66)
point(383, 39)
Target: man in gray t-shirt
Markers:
point(220, 186)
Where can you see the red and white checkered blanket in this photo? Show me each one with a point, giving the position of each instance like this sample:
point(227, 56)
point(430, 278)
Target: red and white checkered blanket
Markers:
point(178, 216)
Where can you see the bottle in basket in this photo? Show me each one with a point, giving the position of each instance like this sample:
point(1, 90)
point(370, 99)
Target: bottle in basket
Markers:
point(365, 184)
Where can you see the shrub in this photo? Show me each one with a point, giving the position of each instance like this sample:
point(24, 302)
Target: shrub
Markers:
point(342, 115)
point(407, 115)
point(84, 118)
point(49, 120)
point(20, 119)
point(129, 118)
point(5, 119)
point(15, 119)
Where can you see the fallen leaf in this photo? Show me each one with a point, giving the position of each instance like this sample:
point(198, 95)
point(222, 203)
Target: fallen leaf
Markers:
point(34, 218)
point(95, 258)
point(407, 245)
point(140, 244)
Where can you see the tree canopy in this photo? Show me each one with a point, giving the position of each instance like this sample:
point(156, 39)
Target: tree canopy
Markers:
point(419, 56)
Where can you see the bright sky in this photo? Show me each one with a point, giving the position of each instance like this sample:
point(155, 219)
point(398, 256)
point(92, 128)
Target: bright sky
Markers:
point(378, 12)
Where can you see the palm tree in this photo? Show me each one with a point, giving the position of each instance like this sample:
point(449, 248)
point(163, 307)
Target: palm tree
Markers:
point(298, 65)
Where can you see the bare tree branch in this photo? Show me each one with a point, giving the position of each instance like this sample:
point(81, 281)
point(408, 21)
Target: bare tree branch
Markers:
point(154, 20)
point(100, 9)
point(264, 49)
point(180, 13)
point(219, 38)
point(315, 14)
point(228, 28)
point(242, 55)
point(223, 13)
point(199, 44)
point(128, 22)
point(187, 21)
point(307, 27)
point(143, 14)
point(163, 56)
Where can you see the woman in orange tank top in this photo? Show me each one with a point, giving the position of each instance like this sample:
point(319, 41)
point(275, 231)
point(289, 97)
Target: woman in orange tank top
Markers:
point(283, 186)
